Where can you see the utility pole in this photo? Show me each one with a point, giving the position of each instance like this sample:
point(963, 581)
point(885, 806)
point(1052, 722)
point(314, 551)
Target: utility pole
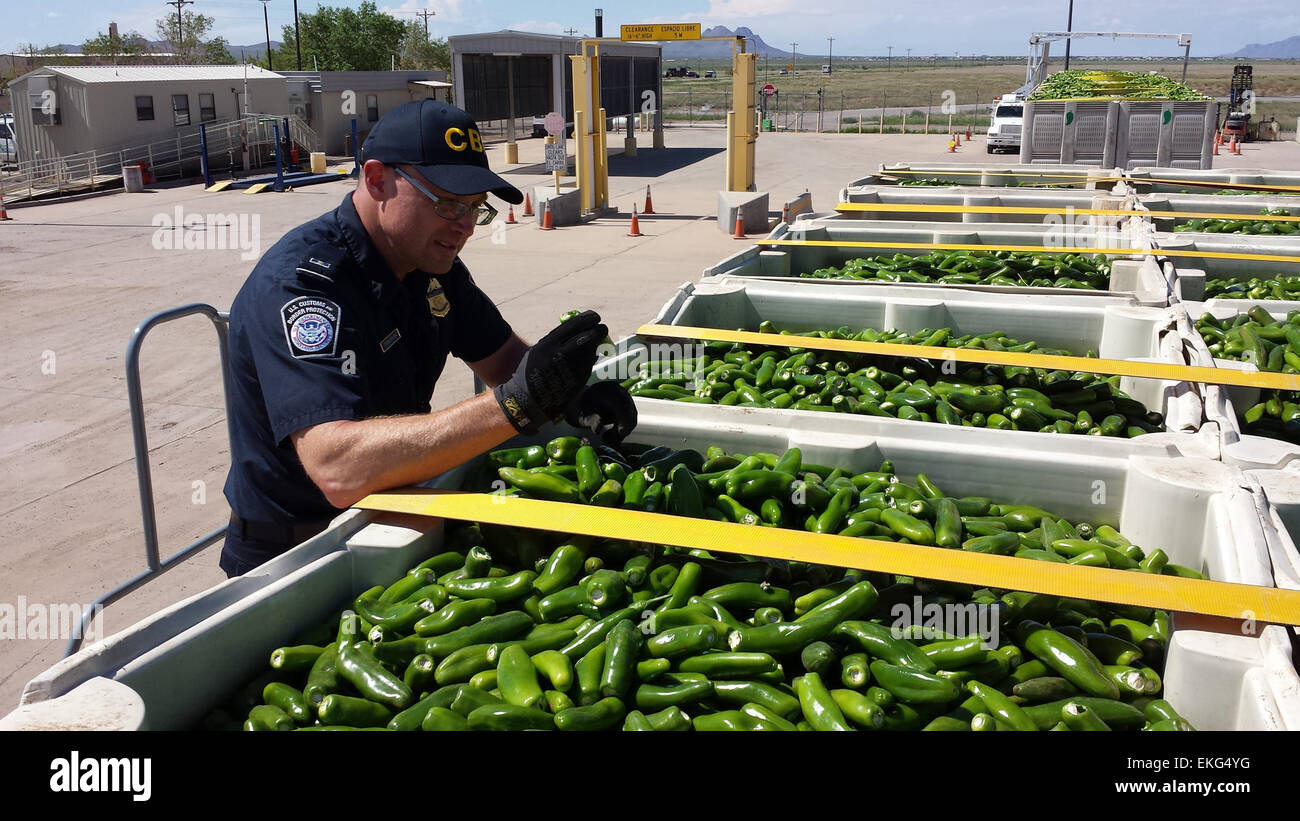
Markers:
point(793, 46)
point(1069, 24)
point(830, 62)
point(889, 66)
point(267, 21)
point(570, 31)
point(297, 44)
point(426, 14)
point(909, 57)
point(180, 33)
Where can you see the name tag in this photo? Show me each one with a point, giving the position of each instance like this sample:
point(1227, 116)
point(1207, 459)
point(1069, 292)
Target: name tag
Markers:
point(390, 340)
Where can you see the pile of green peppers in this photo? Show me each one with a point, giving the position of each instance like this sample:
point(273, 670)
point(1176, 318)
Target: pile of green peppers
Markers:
point(1270, 345)
point(1012, 269)
point(1243, 226)
point(1278, 287)
point(1238, 191)
point(1082, 84)
point(513, 629)
point(929, 181)
point(969, 395)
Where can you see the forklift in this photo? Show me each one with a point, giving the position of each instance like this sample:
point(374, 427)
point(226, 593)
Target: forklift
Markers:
point(1241, 102)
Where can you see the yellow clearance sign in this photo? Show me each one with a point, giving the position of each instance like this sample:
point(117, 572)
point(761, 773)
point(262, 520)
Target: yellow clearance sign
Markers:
point(665, 31)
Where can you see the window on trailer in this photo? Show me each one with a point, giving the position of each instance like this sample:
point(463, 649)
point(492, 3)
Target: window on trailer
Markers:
point(144, 108)
point(372, 107)
point(207, 107)
point(181, 109)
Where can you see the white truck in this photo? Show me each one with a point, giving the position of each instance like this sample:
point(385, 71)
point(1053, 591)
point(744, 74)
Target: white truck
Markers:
point(1006, 120)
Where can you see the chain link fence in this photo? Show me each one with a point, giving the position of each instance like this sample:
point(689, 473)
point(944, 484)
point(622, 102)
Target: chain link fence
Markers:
point(863, 114)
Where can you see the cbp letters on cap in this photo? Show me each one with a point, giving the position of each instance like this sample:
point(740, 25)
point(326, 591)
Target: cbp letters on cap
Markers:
point(455, 138)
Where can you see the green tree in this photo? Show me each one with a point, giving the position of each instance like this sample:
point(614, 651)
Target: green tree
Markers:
point(344, 39)
point(116, 47)
point(190, 43)
point(416, 51)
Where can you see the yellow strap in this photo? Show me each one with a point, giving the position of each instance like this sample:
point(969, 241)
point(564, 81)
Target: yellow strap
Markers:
point(1032, 249)
point(1067, 210)
point(1049, 362)
point(1043, 174)
point(1235, 601)
point(1194, 183)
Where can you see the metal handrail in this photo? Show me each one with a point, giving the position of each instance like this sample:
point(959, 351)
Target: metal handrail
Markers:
point(223, 137)
point(220, 321)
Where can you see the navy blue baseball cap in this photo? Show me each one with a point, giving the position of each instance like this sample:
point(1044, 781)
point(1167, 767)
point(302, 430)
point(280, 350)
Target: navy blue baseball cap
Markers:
point(444, 145)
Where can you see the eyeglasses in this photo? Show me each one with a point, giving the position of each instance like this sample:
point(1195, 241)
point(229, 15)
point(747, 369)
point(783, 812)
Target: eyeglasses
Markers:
point(451, 209)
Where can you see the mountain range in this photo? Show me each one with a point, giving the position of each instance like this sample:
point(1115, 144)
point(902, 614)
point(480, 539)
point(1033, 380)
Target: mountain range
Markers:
point(1288, 49)
point(715, 49)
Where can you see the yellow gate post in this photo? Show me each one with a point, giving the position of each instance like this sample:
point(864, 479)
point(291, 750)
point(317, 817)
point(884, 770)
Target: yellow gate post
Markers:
point(588, 131)
point(742, 123)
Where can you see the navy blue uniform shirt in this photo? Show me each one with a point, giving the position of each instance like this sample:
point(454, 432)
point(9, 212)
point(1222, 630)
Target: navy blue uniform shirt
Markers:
point(323, 331)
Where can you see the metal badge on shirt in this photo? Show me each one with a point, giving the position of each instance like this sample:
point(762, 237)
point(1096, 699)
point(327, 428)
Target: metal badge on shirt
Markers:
point(311, 326)
point(438, 304)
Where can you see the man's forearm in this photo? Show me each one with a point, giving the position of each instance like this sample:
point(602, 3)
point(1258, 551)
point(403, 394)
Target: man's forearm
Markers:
point(350, 460)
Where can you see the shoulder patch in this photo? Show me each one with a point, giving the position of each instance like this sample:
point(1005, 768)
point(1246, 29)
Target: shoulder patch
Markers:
point(311, 326)
point(437, 299)
point(322, 262)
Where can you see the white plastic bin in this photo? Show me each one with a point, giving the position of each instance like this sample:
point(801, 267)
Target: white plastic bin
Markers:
point(1140, 277)
point(1112, 326)
point(184, 660)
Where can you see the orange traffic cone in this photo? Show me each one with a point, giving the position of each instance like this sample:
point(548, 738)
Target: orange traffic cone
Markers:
point(528, 204)
point(969, 132)
point(1215, 150)
point(1236, 145)
point(740, 226)
point(958, 136)
point(649, 206)
point(510, 216)
point(547, 224)
point(635, 229)
point(4, 212)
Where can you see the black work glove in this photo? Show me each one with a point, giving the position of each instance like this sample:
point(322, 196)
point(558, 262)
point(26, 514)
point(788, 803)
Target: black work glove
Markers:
point(606, 409)
point(552, 373)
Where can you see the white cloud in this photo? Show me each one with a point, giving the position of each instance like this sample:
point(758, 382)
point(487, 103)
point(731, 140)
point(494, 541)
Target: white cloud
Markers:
point(444, 10)
point(742, 10)
point(536, 27)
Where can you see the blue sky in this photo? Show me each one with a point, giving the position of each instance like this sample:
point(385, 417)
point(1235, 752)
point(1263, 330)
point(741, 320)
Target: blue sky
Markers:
point(860, 27)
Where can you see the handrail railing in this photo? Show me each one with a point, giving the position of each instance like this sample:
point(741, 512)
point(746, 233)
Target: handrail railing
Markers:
point(166, 157)
point(144, 476)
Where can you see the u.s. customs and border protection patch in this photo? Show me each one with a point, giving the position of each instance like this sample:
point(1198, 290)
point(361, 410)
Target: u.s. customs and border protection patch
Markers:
point(438, 304)
point(311, 326)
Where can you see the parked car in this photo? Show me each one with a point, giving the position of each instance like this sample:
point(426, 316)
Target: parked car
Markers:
point(8, 139)
point(710, 74)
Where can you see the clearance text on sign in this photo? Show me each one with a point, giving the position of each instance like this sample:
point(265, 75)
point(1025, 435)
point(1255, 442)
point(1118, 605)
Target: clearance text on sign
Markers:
point(667, 31)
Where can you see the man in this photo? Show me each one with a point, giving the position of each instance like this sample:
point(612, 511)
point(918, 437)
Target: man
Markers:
point(343, 327)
